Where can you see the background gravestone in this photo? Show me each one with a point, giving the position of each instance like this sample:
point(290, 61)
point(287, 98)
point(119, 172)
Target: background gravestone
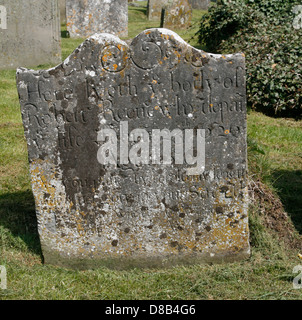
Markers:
point(62, 6)
point(86, 17)
point(176, 14)
point(128, 213)
point(154, 8)
point(31, 35)
point(200, 4)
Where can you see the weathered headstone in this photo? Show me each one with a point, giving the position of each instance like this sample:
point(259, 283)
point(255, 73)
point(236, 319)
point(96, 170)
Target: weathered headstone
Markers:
point(29, 33)
point(138, 153)
point(200, 4)
point(86, 17)
point(176, 14)
point(154, 8)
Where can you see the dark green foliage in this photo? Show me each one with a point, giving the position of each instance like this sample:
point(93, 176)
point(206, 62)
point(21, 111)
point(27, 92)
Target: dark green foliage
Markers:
point(263, 30)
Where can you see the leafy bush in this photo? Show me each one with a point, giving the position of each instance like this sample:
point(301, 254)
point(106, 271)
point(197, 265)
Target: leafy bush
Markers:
point(263, 30)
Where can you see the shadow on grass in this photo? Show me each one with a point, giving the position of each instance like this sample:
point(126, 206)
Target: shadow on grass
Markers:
point(289, 189)
point(142, 9)
point(17, 214)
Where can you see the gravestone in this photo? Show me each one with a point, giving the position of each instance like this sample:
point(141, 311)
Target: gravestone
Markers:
point(200, 4)
point(29, 33)
point(176, 14)
point(62, 6)
point(138, 154)
point(86, 17)
point(154, 8)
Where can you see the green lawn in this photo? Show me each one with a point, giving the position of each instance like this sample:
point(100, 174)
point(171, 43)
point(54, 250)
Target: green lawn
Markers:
point(275, 156)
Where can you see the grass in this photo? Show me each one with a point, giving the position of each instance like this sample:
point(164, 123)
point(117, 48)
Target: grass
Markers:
point(275, 157)
point(281, 139)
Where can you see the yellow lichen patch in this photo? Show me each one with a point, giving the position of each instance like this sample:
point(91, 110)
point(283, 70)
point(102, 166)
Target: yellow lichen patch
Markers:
point(41, 182)
point(177, 54)
point(227, 237)
point(80, 228)
point(115, 67)
point(122, 73)
point(165, 36)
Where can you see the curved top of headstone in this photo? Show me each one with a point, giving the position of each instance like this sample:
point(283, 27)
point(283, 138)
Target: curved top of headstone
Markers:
point(103, 52)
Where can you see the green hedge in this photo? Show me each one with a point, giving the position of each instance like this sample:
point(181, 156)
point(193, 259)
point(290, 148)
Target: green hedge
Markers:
point(264, 31)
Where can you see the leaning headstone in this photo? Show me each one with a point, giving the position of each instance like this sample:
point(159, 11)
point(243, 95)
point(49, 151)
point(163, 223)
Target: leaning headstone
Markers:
point(154, 9)
point(138, 153)
point(29, 33)
point(200, 4)
point(176, 14)
point(86, 17)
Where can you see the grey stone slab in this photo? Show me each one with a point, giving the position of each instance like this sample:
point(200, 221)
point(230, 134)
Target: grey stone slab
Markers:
point(176, 14)
point(107, 191)
point(86, 17)
point(62, 6)
point(29, 33)
point(200, 4)
point(154, 9)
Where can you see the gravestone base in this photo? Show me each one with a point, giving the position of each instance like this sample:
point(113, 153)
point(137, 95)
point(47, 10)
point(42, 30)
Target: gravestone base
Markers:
point(142, 261)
